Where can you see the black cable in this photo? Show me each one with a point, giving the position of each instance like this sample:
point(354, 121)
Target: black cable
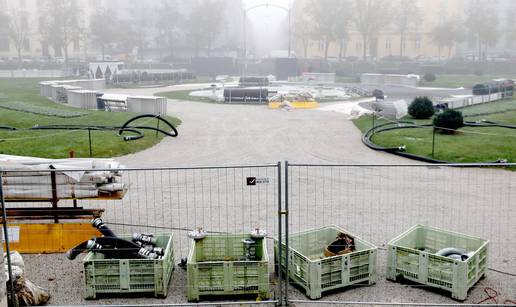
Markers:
point(400, 151)
point(501, 272)
point(158, 117)
point(125, 128)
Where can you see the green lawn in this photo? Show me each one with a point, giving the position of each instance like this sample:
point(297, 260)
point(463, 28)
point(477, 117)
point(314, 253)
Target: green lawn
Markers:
point(56, 143)
point(472, 145)
point(467, 81)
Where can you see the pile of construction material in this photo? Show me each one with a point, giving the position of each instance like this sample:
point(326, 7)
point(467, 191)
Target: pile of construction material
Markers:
point(26, 292)
point(58, 90)
point(380, 80)
point(32, 178)
point(391, 109)
point(319, 78)
point(461, 101)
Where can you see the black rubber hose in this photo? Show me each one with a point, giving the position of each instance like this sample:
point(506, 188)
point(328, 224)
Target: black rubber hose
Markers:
point(158, 117)
point(399, 151)
point(77, 250)
point(8, 128)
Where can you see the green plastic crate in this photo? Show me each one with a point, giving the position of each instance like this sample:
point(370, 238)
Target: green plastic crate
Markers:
point(315, 273)
point(115, 276)
point(217, 266)
point(412, 256)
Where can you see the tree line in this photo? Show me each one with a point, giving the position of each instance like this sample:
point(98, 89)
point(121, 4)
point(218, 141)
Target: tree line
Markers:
point(330, 22)
point(63, 24)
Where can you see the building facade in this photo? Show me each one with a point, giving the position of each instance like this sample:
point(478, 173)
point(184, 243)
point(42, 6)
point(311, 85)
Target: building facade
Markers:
point(130, 13)
point(419, 40)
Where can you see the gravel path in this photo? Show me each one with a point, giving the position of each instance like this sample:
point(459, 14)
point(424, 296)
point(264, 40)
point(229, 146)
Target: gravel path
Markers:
point(477, 201)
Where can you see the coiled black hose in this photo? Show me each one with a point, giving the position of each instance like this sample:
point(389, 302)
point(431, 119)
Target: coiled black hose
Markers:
point(158, 117)
point(125, 128)
point(400, 150)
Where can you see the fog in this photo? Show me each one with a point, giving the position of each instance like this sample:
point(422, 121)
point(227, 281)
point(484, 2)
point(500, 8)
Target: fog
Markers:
point(171, 30)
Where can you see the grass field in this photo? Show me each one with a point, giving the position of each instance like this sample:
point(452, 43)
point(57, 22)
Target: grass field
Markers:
point(55, 143)
point(470, 145)
point(467, 81)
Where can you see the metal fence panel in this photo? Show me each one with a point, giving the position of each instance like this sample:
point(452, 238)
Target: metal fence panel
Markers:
point(172, 200)
point(378, 203)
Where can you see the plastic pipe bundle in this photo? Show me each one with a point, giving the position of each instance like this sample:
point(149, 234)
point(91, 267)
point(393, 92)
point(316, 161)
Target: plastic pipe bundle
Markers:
point(31, 178)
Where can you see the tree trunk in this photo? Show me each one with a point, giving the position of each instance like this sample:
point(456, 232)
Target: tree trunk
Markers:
point(19, 50)
point(364, 41)
point(402, 40)
point(326, 49)
point(479, 50)
point(341, 50)
point(449, 51)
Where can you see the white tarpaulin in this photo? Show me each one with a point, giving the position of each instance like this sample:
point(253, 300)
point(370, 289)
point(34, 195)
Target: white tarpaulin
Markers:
point(28, 177)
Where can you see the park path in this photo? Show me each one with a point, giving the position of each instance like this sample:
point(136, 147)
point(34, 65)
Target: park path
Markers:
point(216, 134)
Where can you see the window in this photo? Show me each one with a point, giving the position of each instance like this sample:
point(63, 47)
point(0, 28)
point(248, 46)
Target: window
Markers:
point(418, 43)
point(388, 43)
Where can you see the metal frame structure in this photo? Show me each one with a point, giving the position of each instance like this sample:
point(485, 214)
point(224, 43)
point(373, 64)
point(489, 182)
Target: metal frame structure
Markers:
point(284, 196)
point(266, 5)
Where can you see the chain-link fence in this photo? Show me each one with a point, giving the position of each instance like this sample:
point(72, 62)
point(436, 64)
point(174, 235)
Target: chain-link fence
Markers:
point(375, 203)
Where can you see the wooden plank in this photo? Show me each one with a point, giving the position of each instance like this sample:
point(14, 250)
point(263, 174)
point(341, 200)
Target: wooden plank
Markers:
point(51, 213)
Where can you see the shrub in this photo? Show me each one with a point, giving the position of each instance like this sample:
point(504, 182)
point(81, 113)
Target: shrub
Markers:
point(478, 72)
point(421, 108)
point(450, 120)
point(429, 77)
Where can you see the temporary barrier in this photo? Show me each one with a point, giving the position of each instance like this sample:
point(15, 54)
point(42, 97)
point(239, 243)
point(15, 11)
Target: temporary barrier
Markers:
point(376, 202)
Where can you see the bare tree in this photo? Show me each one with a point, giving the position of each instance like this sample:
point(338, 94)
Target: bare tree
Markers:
point(205, 24)
point(169, 22)
point(482, 23)
point(510, 21)
point(103, 29)
point(302, 32)
point(18, 30)
point(328, 25)
point(60, 24)
point(407, 15)
point(369, 17)
point(448, 34)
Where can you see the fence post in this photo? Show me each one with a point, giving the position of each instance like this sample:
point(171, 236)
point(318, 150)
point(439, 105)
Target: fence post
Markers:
point(280, 239)
point(286, 233)
point(3, 290)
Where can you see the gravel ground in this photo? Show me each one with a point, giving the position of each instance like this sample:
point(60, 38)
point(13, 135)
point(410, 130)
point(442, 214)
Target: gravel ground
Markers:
point(482, 202)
